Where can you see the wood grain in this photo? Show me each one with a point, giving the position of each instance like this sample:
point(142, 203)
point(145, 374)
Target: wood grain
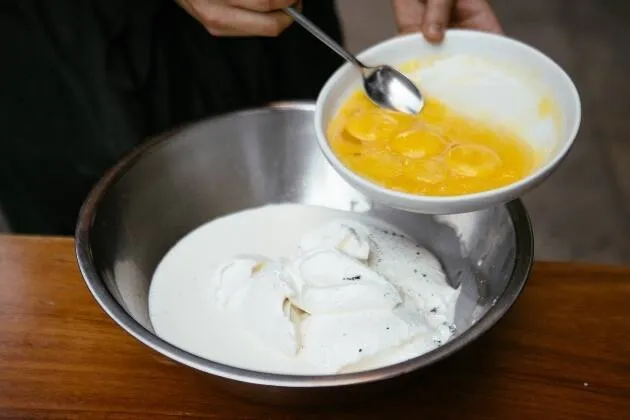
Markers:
point(562, 352)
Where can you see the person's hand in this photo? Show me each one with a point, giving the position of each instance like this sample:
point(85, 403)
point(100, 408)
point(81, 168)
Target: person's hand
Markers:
point(432, 17)
point(240, 17)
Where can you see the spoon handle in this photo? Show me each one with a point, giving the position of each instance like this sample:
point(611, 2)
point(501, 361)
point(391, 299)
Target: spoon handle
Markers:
point(321, 35)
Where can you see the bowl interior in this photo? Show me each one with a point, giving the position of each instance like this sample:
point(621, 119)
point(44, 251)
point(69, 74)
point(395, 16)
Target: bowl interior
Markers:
point(521, 60)
point(166, 189)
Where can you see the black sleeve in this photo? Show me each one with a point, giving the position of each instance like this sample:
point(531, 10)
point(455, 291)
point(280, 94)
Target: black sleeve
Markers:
point(86, 81)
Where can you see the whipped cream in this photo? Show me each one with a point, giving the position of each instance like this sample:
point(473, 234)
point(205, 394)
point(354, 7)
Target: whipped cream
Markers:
point(254, 290)
point(349, 293)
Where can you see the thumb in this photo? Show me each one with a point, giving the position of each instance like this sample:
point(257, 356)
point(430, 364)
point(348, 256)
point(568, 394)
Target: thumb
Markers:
point(409, 15)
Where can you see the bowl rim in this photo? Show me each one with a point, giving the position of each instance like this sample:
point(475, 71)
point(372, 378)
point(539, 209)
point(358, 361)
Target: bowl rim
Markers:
point(524, 255)
point(484, 196)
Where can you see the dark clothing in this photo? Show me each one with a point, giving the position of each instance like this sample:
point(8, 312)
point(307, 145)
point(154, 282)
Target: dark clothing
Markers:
point(87, 80)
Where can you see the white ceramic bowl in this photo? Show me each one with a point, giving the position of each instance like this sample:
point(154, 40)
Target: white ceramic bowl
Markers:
point(549, 78)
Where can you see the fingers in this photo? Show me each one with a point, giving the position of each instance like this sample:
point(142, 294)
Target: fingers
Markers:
point(408, 15)
point(241, 17)
point(262, 5)
point(436, 19)
point(488, 20)
point(478, 14)
point(432, 17)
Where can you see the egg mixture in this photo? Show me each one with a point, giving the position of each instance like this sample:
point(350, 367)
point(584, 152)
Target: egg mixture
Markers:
point(468, 143)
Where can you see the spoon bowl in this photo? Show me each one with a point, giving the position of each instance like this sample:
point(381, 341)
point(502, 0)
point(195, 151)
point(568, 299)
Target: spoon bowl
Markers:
point(389, 88)
point(385, 86)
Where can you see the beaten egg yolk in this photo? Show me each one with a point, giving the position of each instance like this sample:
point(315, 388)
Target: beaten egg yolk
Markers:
point(438, 152)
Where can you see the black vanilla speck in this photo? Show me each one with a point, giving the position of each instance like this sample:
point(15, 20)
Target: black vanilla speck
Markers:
point(434, 310)
point(352, 278)
point(360, 350)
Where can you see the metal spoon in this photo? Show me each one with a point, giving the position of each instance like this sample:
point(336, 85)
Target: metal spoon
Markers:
point(384, 85)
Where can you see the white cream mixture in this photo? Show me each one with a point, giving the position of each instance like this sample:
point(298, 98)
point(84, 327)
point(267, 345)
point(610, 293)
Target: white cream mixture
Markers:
point(301, 290)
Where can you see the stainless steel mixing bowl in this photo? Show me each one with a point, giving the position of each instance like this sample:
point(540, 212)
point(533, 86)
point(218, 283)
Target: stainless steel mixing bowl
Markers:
point(170, 186)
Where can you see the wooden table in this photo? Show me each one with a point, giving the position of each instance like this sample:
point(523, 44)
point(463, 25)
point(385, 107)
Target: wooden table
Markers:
point(562, 352)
